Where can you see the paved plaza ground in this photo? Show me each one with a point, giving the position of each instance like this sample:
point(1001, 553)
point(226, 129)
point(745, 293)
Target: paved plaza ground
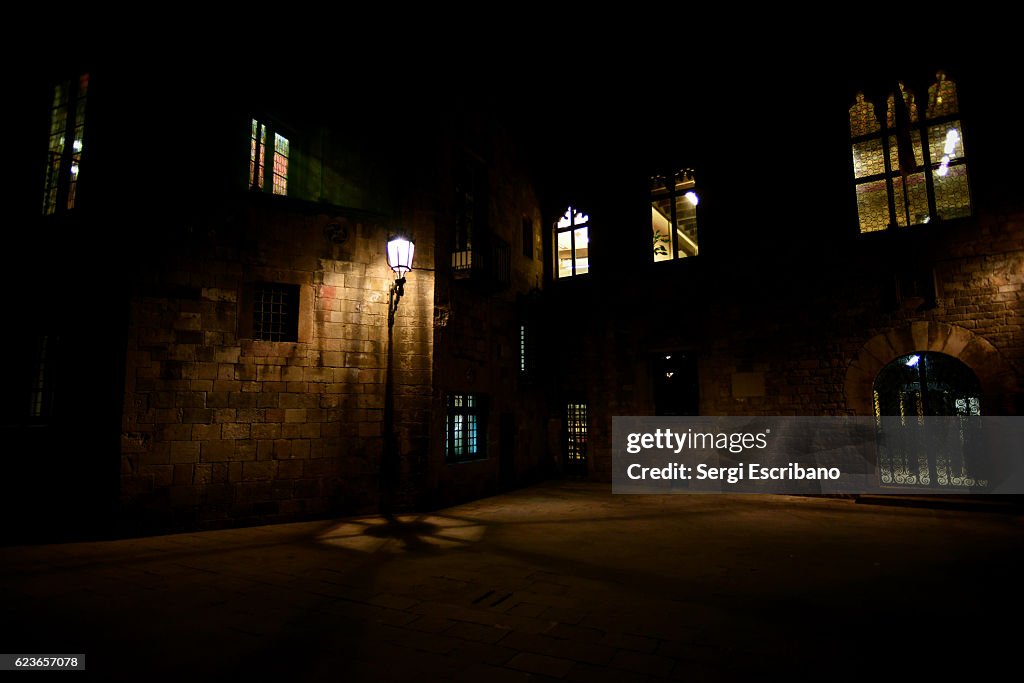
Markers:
point(561, 581)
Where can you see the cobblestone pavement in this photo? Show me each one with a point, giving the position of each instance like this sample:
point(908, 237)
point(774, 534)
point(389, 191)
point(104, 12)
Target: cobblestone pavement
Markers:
point(555, 582)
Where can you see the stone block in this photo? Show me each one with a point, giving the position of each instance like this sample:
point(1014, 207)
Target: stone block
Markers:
point(184, 451)
point(217, 451)
point(234, 430)
point(258, 471)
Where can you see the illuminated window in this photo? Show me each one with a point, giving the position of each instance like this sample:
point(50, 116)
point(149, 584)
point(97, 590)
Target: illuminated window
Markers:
point(674, 201)
point(259, 134)
point(572, 239)
point(63, 160)
point(914, 169)
point(464, 429)
point(275, 315)
point(280, 164)
point(576, 436)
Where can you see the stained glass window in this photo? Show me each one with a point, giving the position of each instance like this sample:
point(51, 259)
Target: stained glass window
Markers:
point(942, 97)
point(63, 160)
point(914, 170)
point(863, 120)
point(572, 232)
point(464, 430)
point(674, 201)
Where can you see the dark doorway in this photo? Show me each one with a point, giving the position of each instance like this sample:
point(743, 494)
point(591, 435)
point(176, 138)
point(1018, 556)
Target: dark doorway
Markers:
point(507, 450)
point(675, 384)
point(910, 389)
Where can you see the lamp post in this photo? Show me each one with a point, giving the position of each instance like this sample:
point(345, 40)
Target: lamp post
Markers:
point(401, 249)
point(400, 253)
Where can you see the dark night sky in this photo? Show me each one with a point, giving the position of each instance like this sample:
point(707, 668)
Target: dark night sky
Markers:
point(757, 104)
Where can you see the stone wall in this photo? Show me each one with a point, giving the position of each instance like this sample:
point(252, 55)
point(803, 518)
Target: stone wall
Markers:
point(220, 428)
point(803, 334)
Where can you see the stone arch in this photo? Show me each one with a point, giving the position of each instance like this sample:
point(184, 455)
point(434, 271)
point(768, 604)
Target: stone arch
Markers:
point(993, 372)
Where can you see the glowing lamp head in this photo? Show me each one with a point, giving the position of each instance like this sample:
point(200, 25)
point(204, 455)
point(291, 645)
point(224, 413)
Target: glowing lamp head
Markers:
point(400, 253)
point(692, 198)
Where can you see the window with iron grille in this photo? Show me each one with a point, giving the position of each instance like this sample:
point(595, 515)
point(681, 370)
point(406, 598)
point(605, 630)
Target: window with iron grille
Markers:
point(576, 435)
point(465, 432)
point(275, 315)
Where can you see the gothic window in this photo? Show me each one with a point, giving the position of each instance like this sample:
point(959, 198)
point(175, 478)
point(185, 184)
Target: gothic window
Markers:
point(572, 243)
point(912, 169)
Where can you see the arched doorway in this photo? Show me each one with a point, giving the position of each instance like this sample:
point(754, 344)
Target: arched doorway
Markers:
point(926, 384)
point(906, 391)
point(999, 384)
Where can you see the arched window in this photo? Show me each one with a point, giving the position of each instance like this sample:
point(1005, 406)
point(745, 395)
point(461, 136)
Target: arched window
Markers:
point(572, 243)
point(913, 170)
point(911, 388)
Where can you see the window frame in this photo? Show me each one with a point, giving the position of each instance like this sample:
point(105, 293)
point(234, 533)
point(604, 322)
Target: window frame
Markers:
point(572, 211)
point(266, 182)
point(667, 186)
point(62, 170)
point(470, 230)
point(460, 407)
point(904, 101)
point(577, 434)
point(293, 294)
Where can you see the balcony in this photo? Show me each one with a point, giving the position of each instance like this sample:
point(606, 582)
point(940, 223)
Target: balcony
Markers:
point(488, 263)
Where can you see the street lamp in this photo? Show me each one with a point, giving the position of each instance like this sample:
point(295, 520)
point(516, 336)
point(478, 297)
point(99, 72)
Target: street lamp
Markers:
point(400, 252)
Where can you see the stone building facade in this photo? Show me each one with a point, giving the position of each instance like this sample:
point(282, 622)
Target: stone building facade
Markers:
point(790, 308)
point(250, 342)
point(205, 295)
